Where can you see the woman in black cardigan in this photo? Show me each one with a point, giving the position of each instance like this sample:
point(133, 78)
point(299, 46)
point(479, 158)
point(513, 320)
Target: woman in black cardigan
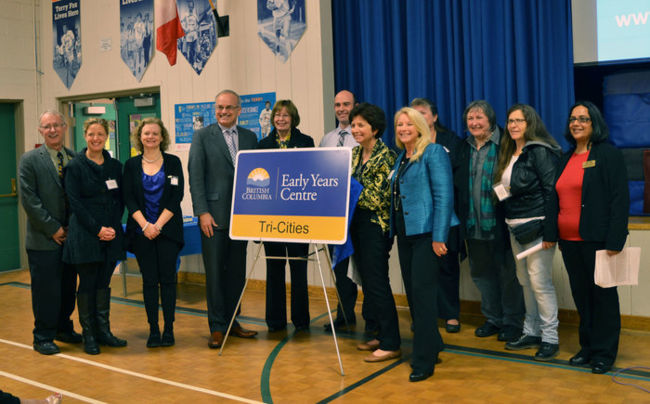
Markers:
point(594, 204)
point(153, 190)
point(93, 184)
point(285, 135)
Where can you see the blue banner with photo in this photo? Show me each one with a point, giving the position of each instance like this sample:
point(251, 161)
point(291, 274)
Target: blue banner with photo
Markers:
point(66, 35)
point(280, 24)
point(200, 26)
point(136, 35)
point(256, 113)
point(190, 118)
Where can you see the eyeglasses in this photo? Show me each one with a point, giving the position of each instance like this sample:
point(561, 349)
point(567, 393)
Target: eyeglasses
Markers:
point(226, 107)
point(283, 116)
point(54, 126)
point(581, 119)
point(518, 121)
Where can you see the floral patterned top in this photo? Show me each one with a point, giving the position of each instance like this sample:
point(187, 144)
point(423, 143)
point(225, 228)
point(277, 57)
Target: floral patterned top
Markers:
point(374, 176)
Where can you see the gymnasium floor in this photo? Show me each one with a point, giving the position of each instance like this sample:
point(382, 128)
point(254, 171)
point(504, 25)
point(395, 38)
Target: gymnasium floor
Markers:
point(288, 368)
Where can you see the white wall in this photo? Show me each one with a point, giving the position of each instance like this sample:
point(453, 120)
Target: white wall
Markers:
point(240, 62)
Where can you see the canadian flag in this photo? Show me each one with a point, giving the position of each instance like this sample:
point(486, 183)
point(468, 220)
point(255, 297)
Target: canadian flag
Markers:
point(168, 28)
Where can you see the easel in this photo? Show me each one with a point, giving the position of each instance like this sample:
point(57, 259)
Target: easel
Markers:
point(320, 271)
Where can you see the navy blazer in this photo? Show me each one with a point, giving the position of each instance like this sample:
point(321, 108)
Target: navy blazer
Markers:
point(297, 140)
point(605, 196)
point(427, 194)
point(171, 197)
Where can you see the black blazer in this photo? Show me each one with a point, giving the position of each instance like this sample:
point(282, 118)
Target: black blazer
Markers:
point(171, 197)
point(93, 205)
point(297, 139)
point(605, 196)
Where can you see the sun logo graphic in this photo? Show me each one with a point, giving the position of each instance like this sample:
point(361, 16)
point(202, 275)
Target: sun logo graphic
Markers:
point(259, 177)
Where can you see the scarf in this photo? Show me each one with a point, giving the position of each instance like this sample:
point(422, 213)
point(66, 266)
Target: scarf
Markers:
point(488, 220)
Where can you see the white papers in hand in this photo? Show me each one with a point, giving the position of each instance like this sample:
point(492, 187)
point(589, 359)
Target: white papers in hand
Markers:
point(617, 270)
point(531, 250)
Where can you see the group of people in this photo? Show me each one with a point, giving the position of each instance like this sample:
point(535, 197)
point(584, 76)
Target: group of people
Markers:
point(437, 195)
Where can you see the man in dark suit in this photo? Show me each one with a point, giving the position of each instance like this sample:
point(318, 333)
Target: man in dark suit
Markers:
point(53, 283)
point(211, 170)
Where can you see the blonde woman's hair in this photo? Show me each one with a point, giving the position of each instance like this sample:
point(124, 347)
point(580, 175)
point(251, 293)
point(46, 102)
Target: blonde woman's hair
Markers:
point(424, 137)
point(135, 135)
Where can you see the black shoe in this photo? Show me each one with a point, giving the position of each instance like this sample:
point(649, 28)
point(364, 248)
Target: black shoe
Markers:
point(452, 328)
point(46, 348)
point(580, 359)
point(70, 337)
point(167, 338)
point(547, 351)
point(486, 330)
point(524, 342)
point(339, 325)
point(273, 328)
point(509, 333)
point(419, 376)
point(104, 335)
point(154, 340)
point(600, 367)
point(302, 327)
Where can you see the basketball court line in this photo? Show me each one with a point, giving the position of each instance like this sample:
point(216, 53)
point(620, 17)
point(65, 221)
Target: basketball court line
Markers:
point(65, 393)
point(139, 375)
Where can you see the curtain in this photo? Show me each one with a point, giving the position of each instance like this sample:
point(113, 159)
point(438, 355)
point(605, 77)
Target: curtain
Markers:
point(388, 52)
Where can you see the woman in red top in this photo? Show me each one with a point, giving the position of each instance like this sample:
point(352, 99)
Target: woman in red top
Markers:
point(593, 203)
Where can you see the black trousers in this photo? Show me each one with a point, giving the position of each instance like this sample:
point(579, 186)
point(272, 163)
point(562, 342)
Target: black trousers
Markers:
point(600, 314)
point(53, 285)
point(420, 268)
point(276, 290)
point(371, 251)
point(449, 279)
point(225, 273)
point(157, 261)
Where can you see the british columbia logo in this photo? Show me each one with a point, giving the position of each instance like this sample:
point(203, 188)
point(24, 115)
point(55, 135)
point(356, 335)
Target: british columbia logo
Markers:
point(257, 185)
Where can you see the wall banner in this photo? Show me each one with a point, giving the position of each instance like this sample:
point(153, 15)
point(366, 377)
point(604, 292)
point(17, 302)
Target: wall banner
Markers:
point(256, 113)
point(197, 20)
point(66, 29)
point(293, 195)
point(136, 35)
point(280, 24)
point(190, 118)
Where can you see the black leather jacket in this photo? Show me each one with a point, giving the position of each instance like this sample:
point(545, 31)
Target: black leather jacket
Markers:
point(531, 186)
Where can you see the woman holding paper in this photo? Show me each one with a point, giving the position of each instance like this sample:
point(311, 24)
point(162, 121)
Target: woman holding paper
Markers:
point(524, 180)
point(93, 184)
point(422, 211)
point(594, 202)
point(153, 190)
point(372, 161)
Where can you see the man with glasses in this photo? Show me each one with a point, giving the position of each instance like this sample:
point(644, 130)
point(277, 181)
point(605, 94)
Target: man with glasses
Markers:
point(53, 283)
point(211, 170)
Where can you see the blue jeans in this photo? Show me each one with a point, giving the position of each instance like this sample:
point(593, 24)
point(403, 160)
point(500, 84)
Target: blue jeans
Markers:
point(493, 271)
point(535, 276)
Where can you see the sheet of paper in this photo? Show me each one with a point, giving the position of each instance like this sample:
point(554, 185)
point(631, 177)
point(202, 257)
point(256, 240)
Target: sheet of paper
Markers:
point(618, 270)
point(531, 250)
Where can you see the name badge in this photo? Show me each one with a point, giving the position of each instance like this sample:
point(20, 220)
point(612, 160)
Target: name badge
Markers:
point(501, 191)
point(111, 184)
point(589, 164)
point(173, 180)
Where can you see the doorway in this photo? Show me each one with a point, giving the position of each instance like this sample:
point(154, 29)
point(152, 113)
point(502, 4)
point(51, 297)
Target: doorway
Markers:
point(9, 233)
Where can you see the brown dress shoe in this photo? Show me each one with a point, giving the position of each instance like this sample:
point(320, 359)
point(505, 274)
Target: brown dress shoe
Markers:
point(240, 332)
point(216, 339)
point(388, 355)
point(368, 346)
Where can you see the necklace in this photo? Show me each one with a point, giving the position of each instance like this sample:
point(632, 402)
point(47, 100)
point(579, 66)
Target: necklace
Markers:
point(152, 161)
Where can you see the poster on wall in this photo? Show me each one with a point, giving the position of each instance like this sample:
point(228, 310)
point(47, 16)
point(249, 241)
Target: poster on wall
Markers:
point(256, 113)
point(190, 118)
point(197, 20)
point(136, 35)
point(280, 24)
point(66, 35)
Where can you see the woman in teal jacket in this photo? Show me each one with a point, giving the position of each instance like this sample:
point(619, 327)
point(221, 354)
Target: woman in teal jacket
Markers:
point(422, 210)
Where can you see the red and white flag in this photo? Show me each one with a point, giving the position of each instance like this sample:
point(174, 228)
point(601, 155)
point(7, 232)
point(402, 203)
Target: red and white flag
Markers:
point(168, 28)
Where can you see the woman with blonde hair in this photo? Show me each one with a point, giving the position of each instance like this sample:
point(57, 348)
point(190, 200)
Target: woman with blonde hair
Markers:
point(422, 211)
point(153, 190)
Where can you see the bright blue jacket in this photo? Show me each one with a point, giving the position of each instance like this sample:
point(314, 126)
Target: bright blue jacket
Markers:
point(427, 194)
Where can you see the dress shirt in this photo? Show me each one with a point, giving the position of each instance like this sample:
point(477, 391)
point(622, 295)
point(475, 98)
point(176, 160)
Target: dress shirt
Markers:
point(331, 139)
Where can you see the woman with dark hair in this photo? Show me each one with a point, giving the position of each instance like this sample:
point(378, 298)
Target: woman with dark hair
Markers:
point(372, 161)
point(153, 190)
point(285, 135)
point(526, 170)
point(422, 210)
point(594, 202)
point(449, 277)
point(93, 184)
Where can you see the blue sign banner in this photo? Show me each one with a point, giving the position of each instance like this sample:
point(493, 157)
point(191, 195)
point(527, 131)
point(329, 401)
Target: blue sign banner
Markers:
point(281, 24)
point(293, 195)
point(197, 20)
point(66, 32)
point(192, 117)
point(256, 113)
point(136, 35)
